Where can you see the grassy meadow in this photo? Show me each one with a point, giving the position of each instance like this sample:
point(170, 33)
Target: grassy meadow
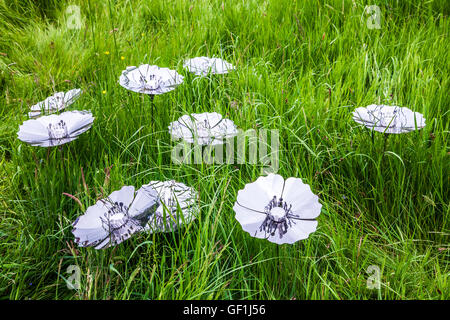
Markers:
point(302, 67)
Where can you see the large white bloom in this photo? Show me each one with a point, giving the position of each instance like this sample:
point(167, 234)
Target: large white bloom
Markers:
point(150, 79)
point(55, 103)
point(389, 119)
point(55, 129)
point(178, 206)
point(115, 218)
point(203, 128)
point(201, 66)
point(277, 210)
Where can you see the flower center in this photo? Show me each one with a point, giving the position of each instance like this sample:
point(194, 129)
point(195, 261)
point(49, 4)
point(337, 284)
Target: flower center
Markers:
point(115, 216)
point(388, 117)
point(277, 214)
point(55, 103)
point(205, 66)
point(58, 130)
point(203, 125)
point(153, 83)
point(278, 217)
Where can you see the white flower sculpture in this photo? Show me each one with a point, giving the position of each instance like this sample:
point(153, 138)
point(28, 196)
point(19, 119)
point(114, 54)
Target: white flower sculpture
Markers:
point(116, 218)
point(55, 103)
point(203, 128)
point(389, 119)
point(55, 129)
point(178, 206)
point(277, 210)
point(150, 79)
point(201, 66)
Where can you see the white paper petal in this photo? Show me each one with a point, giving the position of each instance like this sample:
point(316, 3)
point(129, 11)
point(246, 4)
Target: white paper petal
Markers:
point(272, 184)
point(249, 219)
point(254, 197)
point(144, 202)
point(299, 231)
point(77, 120)
point(304, 203)
point(32, 130)
point(124, 195)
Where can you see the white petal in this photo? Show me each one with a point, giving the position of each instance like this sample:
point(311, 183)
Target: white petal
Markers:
point(249, 219)
point(32, 130)
point(71, 96)
point(272, 184)
point(146, 201)
point(52, 142)
point(299, 195)
point(124, 195)
point(257, 195)
point(298, 231)
point(76, 120)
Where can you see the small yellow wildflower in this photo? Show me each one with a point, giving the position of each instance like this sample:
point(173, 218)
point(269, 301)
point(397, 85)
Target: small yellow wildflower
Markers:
point(106, 52)
point(143, 34)
point(122, 58)
point(104, 91)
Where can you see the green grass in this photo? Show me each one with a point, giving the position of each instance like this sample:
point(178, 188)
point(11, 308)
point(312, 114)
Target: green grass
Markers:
point(302, 67)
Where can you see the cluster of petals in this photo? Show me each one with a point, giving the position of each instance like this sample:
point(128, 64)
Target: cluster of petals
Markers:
point(55, 103)
point(389, 119)
point(160, 206)
point(179, 206)
point(208, 128)
point(203, 66)
point(56, 129)
point(281, 211)
point(150, 79)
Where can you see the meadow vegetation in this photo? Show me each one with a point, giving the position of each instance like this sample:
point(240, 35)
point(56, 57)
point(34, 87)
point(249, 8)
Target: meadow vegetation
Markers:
point(302, 67)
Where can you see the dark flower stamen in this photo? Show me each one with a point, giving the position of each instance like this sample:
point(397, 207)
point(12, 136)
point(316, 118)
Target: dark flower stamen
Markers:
point(278, 217)
point(58, 131)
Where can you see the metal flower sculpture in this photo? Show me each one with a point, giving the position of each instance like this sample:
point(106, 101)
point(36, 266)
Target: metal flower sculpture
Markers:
point(55, 103)
point(202, 66)
point(389, 119)
point(178, 206)
point(116, 218)
point(281, 211)
point(150, 79)
point(203, 128)
point(55, 129)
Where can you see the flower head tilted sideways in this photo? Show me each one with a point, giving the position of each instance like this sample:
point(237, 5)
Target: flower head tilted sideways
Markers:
point(178, 206)
point(203, 128)
point(281, 211)
point(116, 218)
point(55, 103)
point(150, 79)
point(201, 66)
point(389, 119)
point(55, 129)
